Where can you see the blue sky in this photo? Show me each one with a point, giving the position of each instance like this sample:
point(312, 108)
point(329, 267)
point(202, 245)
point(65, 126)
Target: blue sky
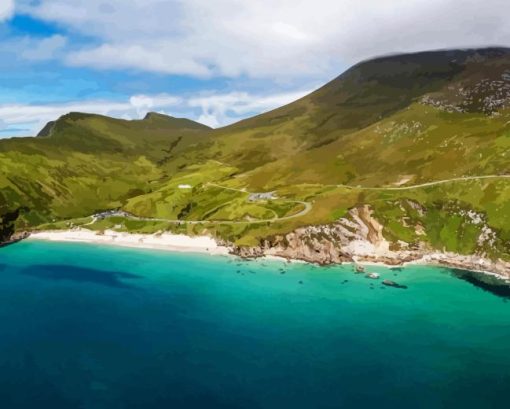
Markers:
point(215, 61)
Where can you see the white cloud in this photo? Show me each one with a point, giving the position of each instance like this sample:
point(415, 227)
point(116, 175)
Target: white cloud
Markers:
point(32, 49)
point(34, 117)
point(6, 9)
point(43, 49)
point(144, 103)
point(148, 57)
point(211, 109)
point(277, 39)
point(221, 109)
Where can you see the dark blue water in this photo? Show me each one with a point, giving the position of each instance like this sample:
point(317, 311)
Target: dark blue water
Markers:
point(89, 327)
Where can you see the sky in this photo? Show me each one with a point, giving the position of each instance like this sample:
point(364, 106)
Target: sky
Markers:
point(213, 61)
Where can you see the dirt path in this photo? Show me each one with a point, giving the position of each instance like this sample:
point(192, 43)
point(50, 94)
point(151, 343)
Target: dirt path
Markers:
point(437, 182)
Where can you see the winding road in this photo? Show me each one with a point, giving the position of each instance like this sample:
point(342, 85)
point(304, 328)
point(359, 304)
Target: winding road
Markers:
point(307, 206)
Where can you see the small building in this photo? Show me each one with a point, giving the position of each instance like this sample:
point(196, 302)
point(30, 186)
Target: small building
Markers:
point(185, 187)
point(262, 196)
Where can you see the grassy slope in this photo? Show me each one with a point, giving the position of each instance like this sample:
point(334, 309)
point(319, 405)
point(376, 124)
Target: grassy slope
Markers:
point(410, 119)
point(375, 111)
point(89, 163)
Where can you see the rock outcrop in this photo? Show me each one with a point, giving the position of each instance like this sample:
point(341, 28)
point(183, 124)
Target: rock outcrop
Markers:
point(358, 234)
point(14, 238)
point(359, 238)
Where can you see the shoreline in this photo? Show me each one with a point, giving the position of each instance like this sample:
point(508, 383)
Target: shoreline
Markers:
point(423, 262)
point(164, 241)
point(208, 245)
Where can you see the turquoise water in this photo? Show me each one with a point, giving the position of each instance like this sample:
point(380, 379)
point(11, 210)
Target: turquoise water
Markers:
point(89, 327)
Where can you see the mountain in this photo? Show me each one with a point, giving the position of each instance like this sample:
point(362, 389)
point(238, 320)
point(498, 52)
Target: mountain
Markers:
point(414, 143)
point(379, 109)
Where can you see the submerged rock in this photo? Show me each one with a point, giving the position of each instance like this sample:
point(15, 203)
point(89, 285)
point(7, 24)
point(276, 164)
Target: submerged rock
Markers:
point(359, 269)
point(390, 283)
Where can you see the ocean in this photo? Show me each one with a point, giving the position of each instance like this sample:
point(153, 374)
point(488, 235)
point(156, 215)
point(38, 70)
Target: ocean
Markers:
point(84, 326)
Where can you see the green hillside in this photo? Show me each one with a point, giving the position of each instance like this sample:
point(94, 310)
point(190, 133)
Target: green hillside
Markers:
point(381, 109)
point(377, 135)
point(84, 163)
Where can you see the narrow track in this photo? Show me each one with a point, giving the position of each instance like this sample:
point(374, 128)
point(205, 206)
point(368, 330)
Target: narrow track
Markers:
point(427, 184)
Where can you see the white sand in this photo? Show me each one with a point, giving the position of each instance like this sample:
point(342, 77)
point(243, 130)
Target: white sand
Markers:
point(164, 241)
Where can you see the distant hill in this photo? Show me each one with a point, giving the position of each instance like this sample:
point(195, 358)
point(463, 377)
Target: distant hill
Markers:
point(84, 131)
point(152, 120)
point(82, 162)
point(381, 134)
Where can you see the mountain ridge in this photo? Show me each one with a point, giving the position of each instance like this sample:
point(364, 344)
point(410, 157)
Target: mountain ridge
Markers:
point(184, 123)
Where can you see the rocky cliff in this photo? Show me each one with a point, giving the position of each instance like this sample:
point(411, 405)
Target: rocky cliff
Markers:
point(358, 237)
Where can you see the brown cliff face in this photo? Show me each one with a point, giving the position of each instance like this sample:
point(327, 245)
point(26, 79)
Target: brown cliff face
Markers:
point(359, 237)
point(372, 229)
point(326, 244)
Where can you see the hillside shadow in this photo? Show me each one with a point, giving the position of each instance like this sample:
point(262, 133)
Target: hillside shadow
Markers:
point(60, 272)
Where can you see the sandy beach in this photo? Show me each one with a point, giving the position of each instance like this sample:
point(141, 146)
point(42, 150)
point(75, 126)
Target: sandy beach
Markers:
point(164, 241)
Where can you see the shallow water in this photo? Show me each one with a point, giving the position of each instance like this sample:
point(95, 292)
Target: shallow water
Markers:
point(90, 327)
